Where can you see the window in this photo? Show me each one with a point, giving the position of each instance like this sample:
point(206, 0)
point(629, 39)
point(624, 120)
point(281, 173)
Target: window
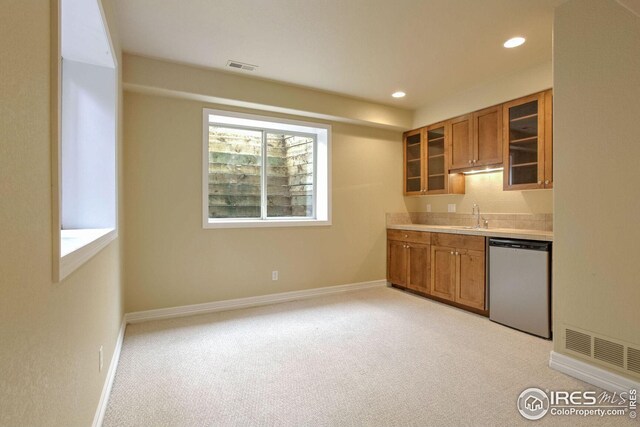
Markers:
point(261, 171)
point(84, 172)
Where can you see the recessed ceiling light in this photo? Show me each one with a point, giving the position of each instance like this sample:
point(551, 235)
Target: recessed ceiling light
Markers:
point(514, 42)
point(398, 94)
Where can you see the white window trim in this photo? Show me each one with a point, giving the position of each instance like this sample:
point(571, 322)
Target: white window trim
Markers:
point(322, 186)
point(90, 242)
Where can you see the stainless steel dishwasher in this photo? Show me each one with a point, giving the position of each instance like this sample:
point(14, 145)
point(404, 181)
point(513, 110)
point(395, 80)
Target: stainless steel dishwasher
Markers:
point(520, 285)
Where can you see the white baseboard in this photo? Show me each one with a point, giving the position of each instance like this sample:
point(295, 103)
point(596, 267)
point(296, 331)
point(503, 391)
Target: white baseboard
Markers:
point(233, 304)
point(111, 374)
point(591, 374)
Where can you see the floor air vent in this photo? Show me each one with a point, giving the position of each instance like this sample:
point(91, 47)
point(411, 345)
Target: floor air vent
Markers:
point(609, 352)
point(603, 350)
point(633, 360)
point(578, 342)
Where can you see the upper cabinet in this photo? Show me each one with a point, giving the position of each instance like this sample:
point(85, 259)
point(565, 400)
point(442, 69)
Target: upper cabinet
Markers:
point(487, 136)
point(413, 168)
point(439, 180)
point(527, 131)
point(426, 163)
point(476, 139)
point(516, 135)
point(461, 148)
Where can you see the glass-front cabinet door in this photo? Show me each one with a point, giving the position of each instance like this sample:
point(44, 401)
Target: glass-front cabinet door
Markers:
point(436, 167)
point(524, 136)
point(413, 163)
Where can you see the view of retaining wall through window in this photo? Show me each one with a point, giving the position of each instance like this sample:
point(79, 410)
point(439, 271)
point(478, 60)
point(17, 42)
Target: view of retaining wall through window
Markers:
point(236, 167)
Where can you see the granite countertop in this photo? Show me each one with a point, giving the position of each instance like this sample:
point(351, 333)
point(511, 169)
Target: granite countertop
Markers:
point(513, 233)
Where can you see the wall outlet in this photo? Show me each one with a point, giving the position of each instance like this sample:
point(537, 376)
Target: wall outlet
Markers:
point(429, 207)
point(100, 360)
point(274, 275)
point(451, 207)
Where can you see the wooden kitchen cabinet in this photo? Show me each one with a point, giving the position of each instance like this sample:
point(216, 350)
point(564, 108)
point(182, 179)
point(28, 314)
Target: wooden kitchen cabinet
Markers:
point(439, 180)
point(413, 163)
point(470, 283)
point(476, 139)
point(517, 135)
point(436, 166)
point(419, 260)
point(397, 263)
point(458, 269)
point(409, 259)
point(426, 163)
point(528, 145)
point(487, 136)
point(443, 272)
point(461, 153)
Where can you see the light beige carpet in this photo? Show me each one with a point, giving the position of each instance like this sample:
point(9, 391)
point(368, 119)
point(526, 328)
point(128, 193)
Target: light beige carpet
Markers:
point(377, 357)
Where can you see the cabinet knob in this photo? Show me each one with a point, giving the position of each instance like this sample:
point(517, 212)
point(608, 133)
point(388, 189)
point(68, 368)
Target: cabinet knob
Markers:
point(469, 161)
point(451, 252)
point(474, 161)
point(406, 235)
point(546, 182)
point(539, 182)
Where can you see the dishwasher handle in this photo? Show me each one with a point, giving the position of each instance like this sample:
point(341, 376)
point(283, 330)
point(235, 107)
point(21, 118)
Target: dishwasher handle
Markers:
point(533, 245)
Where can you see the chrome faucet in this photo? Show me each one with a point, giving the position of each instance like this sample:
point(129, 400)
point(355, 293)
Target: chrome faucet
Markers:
point(476, 211)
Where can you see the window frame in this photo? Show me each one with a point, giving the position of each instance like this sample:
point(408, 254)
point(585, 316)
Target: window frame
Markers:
point(321, 205)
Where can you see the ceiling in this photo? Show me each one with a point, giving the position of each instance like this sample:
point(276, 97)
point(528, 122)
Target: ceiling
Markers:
point(361, 48)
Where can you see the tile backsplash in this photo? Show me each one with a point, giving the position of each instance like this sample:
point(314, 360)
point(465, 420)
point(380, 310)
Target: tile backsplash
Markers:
point(542, 222)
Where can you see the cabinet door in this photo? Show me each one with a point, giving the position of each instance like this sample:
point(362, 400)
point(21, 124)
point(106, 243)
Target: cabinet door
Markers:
point(548, 139)
point(487, 136)
point(523, 135)
point(443, 272)
point(461, 146)
point(419, 267)
point(470, 283)
point(436, 163)
point(413, 163)
point(397, 263)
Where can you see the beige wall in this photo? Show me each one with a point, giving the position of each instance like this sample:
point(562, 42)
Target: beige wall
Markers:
point(597, 88)
point(171, 260)
point(50, 333)
point(486, 190)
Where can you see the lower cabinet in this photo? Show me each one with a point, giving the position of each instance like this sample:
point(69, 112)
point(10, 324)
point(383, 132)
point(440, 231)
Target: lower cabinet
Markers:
point(449, 267)
point(443, 272)
point(470, 283)
point(408, 259)
point(418, 267)
point(458, 269)
point(397, 260)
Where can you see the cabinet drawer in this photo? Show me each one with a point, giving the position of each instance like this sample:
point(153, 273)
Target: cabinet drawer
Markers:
point(459, 241)
point(409, 236)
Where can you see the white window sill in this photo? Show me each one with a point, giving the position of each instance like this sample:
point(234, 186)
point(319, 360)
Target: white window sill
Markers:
point(257, 223)
point(78, 246)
